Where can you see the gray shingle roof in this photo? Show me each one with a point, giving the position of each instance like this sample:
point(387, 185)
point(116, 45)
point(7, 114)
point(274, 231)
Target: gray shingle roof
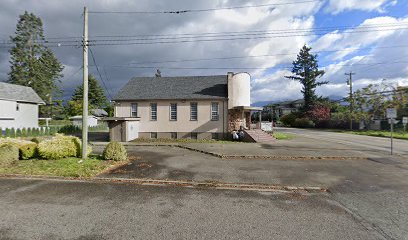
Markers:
point(190, 87)
point(19, 93)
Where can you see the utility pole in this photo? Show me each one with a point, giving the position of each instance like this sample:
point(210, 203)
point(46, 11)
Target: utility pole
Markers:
point(85, 87)
point(350, 83)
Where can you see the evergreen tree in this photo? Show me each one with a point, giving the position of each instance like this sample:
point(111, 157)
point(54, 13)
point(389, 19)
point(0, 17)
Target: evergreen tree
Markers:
point(96, 95)
point(96, 98)
point(306, 71)
point(32, 63)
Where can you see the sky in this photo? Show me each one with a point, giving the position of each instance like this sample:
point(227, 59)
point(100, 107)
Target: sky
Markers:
point(262, 37)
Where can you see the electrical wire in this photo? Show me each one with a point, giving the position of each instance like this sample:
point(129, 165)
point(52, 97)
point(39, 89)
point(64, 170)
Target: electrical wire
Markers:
point(100, 75)
point(183, 11)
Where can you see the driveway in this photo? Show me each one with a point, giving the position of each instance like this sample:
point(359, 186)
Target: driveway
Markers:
point(174, 163)
point(366, 144)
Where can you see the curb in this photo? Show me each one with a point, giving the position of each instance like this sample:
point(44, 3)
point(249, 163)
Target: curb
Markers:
point(181, 183)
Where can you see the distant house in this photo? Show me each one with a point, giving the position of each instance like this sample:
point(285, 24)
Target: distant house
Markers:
point(194, 107)
point(19, 106)
point(283, 108)
point(77, 121)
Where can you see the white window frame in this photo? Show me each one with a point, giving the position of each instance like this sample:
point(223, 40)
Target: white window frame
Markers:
point(171, 111)
point(131, 110)
point(192, 112)
point(215, 114)
point(153, 114)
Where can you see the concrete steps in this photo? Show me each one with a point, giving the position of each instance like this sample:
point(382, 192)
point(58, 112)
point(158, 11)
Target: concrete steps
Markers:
point(257, 135)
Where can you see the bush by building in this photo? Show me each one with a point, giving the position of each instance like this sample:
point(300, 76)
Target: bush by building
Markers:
point(57, 147)
point(9, 154)
point(303, 123)
point(28, 150)
point(115, 151)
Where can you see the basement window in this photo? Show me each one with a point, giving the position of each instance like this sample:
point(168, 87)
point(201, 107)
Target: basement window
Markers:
point(193, 135)
point(153, 135)
point(173, 135)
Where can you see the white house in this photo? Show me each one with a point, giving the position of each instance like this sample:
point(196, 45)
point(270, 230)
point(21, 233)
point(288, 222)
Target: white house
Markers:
point(77, 121)
point(18, 106)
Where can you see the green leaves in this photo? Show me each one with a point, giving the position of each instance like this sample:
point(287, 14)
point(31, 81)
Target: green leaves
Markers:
point(306, 71)
point(32, 63)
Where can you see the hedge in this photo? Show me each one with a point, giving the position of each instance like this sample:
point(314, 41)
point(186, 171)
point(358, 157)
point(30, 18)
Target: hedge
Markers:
point(58, 147)
point(28, 150)
point(115, 151)
point(9, 154)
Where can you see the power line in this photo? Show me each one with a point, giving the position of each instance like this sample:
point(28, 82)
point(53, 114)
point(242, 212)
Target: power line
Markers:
point(100, 75)
point(344, 27)
point(183, 11)
point(154, 41)
point(67, 41)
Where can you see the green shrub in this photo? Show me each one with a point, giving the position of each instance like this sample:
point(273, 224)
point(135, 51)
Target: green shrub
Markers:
point(36, 140)
point(69, 129)
point(288, 119)
point(303, 123)
point(13, 132)
point(18, 132)
point(57, 147)
point(8, 154)
point(8, 132)
point(78, 145)
point(28, 150)
point(24, 132)
point(115, 151)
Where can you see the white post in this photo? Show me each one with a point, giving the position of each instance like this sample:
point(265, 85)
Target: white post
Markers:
point(85, 86)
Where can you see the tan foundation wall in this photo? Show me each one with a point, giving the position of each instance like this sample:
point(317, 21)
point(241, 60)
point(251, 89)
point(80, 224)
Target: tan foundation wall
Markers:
point(180, 135)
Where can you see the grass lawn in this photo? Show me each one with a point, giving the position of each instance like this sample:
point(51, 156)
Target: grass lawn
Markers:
point(283, 136)
point(398, 135)
point(179, 140)
point(65, 167)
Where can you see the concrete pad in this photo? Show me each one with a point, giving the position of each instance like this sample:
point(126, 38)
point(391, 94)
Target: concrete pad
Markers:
point(173, 163)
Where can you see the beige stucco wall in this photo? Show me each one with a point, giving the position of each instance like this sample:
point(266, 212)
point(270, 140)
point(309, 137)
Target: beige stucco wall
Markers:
point(183, 123)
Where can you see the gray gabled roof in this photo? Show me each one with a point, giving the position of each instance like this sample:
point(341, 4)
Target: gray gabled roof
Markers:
point(19, 93)
point(190, 87)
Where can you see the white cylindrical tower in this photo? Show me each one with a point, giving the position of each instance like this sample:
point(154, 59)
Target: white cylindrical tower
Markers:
point(239, 90)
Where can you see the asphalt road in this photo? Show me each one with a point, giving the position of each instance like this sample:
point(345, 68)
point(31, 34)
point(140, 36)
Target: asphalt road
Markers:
point(38, 209)
point(351, 140)
point(368, 198)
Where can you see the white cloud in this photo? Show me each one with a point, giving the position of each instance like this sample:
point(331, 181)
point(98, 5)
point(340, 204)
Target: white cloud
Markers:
point(337, 6)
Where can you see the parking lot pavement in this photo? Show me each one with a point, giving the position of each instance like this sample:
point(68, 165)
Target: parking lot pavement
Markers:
point(173, 163)
point(49, 209)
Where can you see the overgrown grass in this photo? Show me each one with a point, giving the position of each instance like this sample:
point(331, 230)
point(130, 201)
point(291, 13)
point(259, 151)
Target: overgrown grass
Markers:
point(65, 167)
point(179, 140)
point(283, 136)
point(398, 135)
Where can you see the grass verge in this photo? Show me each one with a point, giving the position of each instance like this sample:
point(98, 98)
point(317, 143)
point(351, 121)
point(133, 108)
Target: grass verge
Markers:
point(398, 135)
point(283, 136)
point(180, 140)
point(65, 167)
